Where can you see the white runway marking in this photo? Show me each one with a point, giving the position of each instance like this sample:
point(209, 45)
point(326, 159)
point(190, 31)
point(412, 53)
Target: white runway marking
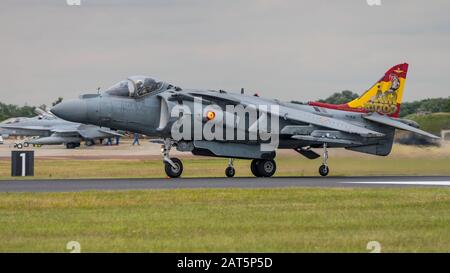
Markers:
point(421, 183)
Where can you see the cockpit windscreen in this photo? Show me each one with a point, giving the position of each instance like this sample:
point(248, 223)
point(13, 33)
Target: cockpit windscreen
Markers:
point(136, 86)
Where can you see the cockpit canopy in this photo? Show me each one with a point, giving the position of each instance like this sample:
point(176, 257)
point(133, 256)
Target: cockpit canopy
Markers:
point(137, 86)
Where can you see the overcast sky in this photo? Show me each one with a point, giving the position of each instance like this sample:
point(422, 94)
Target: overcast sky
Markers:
point(291, 50)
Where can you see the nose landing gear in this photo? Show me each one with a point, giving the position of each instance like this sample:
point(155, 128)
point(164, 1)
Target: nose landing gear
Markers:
point(173, 166)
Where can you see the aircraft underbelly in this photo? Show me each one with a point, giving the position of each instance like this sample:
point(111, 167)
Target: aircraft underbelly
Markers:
point(233, 150)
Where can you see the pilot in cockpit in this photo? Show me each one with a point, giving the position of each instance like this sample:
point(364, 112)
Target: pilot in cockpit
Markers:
point(140, 89)
point(138, 86)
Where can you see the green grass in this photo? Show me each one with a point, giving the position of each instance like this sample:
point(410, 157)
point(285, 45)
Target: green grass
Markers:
point(432, 123)
point(201, 167)
point(228, 220)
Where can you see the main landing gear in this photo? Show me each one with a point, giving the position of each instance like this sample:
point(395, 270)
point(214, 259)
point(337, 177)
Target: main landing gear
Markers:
point(259, 168)
point(323, 169)
point(173, 166)
point(263, 167)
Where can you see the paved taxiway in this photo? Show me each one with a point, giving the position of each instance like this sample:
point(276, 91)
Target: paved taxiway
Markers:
point(240, 182)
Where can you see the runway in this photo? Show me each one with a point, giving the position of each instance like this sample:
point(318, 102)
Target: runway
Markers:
point(240, 182)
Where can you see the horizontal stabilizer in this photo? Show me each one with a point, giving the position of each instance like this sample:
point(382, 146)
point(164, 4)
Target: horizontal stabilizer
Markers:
point(375, 117)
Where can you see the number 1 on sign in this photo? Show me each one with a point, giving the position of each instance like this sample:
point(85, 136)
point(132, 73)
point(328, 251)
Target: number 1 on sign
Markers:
point(23, 155)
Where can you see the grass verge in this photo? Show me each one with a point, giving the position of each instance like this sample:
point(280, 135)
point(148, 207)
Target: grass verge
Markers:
point(228, 220)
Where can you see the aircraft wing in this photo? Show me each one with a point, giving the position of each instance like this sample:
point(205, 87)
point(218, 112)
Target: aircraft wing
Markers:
point(327, 122)
point(33, 128)
point(92, 132)
point(65, 132)
point(289, 113)
point(323, 121)
point(375, 117)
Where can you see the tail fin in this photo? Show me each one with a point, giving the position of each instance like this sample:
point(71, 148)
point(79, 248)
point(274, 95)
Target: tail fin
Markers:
point(385, 96)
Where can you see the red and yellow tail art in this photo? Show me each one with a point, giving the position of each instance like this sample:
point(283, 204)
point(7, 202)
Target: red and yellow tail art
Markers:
point(384, 97)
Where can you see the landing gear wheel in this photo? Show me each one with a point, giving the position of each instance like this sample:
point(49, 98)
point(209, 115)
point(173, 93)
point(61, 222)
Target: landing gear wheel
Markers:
point(230, 172)
point(172, 171)
point(324, 170)
point(267, 167)
point(254, 167)
point(19, 146)
point(26, 144)
point(70, 146)
point(89, 143)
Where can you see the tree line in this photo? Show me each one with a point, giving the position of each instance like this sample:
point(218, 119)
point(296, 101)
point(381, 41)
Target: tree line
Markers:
point(11, 110)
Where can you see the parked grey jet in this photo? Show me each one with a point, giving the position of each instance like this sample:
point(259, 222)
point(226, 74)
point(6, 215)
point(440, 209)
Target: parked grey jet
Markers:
point(51, 130)
point(212, 123)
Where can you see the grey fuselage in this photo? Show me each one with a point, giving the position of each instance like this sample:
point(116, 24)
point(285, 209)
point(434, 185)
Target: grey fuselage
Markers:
point(150, 115)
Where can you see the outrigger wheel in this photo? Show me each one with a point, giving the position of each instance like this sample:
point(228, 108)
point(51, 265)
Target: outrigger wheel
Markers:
point(324, 170)
point(173, 171)
point(230, 171)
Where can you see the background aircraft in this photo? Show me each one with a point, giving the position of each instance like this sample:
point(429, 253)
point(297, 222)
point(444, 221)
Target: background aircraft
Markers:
point(51, 130)
point(142, 104)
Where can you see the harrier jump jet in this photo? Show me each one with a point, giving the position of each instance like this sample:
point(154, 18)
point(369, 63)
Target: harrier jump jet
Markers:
point(238, 125)
point(51, 130)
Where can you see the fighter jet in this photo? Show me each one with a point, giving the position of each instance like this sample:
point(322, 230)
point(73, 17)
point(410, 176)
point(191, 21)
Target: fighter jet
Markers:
point(246, 126)
point(51, 130)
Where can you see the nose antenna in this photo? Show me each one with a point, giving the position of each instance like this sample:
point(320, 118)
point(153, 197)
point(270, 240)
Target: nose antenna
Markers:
point(98, 90)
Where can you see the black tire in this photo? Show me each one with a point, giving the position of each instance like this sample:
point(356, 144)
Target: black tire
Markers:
point(171, 171)
point(324, 170)
point(70, 145)
point(230, 171)
point(254, 167)
point(19, 146)
point(267, 167)
point(26, 144)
